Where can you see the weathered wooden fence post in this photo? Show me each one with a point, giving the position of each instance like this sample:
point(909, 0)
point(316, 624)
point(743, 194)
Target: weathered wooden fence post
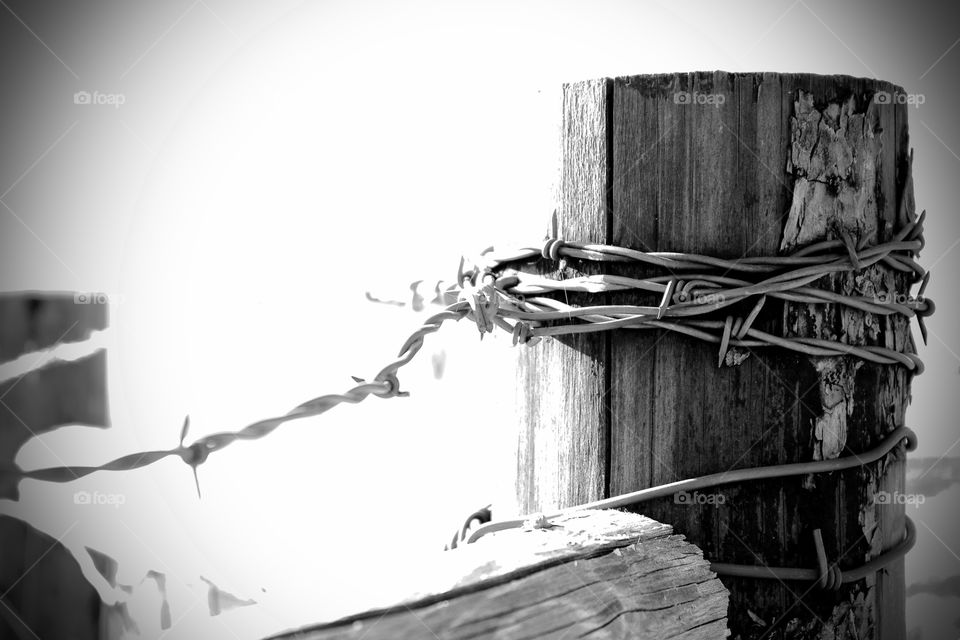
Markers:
point(734, 165)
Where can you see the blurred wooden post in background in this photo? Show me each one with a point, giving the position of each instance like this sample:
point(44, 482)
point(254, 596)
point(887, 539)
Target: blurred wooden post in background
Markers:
point(45, 594)
point(733, 165)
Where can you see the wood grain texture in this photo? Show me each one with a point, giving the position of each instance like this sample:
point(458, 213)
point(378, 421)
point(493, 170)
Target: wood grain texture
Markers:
point(564, 436)
point(713, 162)
point(593, 574)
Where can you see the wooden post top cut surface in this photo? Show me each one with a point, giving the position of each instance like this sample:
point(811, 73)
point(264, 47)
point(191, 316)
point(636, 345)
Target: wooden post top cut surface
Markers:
point(593, 574)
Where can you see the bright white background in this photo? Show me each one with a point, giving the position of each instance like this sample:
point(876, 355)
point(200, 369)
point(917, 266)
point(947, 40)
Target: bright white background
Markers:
point(269, 165)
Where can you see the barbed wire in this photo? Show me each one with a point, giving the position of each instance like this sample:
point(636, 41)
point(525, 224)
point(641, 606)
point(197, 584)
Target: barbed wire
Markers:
point(384, 385)
point(493, 293)
point(698, 285)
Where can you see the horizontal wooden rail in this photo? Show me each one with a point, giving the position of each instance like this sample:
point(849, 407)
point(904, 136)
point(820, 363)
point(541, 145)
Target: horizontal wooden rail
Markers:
point(590, 574)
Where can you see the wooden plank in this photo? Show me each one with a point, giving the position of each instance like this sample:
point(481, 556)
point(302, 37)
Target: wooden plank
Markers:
point(33, 321)
point(708, 172)
point(592, 574)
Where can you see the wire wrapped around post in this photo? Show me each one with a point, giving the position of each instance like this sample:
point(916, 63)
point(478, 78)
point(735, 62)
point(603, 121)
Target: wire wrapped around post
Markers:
point(696, 289)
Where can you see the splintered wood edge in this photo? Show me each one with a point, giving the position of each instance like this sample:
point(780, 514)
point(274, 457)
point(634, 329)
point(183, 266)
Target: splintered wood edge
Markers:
point(679, 593)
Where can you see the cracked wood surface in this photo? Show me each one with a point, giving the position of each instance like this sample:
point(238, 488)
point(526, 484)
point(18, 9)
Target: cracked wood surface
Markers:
point(591, 574)
point(732, 164)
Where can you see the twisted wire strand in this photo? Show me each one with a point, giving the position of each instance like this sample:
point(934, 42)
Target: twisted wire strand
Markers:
point(384, 385)
point(828, 577)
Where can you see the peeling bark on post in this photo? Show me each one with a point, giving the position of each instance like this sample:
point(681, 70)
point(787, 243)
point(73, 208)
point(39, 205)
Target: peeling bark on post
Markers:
point(837, 162)
point(734, 165)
